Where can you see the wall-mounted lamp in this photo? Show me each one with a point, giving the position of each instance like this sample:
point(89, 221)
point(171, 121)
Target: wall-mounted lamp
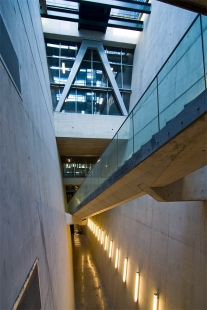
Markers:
point(106, 241)
point(136, 290)
point(117, 258)
point(110, 248)
point(99, 234)
point(102, 236)
point(125, 269)
point(155, 302)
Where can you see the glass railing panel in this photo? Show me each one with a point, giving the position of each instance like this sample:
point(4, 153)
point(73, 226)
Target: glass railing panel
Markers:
point(125, 141)
point(180, 80)
point(145, 117)
point(204, 30)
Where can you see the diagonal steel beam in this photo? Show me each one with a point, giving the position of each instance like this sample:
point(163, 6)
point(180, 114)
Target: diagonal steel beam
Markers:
point(137, 6)
point(99, 47)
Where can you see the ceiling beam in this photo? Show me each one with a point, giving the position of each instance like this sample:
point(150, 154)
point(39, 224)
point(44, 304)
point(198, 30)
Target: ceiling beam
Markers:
point(198, 6)
point(112, 22)
point(137, 6)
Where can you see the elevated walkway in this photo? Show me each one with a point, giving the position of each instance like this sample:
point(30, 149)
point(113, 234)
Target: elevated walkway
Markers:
point(162, 140)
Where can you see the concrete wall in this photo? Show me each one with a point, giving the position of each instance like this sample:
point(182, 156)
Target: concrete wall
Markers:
point(163, 29)
point(32, 202)
point(166, 243)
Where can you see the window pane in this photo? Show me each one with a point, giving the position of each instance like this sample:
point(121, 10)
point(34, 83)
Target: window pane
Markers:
point(127, 56)
point(113, 105)
point(70, 102)
point(55, 92)
point(127, 76)
point(84, 102)
point(126, 98)
point(52, 48)
point(99, 102)
point(65, 69)
point(99, 75)
point(84, 76)
point(87, 55)
point(53, 66)
point(117, 74)
point(68, 50)
point(96, 56)
point(114, 55)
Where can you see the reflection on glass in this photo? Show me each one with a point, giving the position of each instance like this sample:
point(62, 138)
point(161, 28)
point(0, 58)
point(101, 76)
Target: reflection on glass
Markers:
point(99, 75)
point(126, 98)
point(99, 102)
point(127, 56)
point(84, 102)
point(127, 76)
point(56, 92)
point(117, 74)
point(77, 166)
point(113, 107)
point(70, 102)
point(114, 55)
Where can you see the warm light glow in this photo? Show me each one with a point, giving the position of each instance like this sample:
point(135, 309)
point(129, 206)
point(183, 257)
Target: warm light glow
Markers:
point(110, 248)
point(106, 241)
point(99, 234)
point(117, 258)
point(125, 269)
point(155, 303)
point(102, 237)
point(63, 67)
point(136, 291)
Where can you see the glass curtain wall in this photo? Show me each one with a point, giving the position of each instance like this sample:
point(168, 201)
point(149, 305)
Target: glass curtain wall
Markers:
point(91, 91)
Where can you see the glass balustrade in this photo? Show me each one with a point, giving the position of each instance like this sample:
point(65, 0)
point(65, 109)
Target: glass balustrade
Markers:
point(181, 79)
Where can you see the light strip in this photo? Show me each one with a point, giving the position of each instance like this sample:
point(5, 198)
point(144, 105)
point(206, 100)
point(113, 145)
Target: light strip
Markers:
point(125, 269)
point(63, 67)
point(155, 303)
point(106, 241)
point(110, 248)
point(99, 233)
point(136, 291)
point(102, 237)
point(117, 258)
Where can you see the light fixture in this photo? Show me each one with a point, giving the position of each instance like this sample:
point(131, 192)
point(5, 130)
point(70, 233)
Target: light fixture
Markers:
point(102, 236)
point(100, 100)
point(155, 302)
point(110, 248)
point(117, 258)
point(125, 269)
point(136, 291)
point(63, 67)
point(99, 232)
point(106, 241)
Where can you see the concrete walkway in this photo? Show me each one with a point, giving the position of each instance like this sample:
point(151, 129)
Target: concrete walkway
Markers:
point(90, 292)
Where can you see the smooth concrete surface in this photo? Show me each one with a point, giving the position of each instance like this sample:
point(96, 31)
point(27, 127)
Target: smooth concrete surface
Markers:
point(32, 221)
point(166, 243)
point(65, 30)
point(163, 29)
point(81, 134)
point(90, 291)
point(74, 125)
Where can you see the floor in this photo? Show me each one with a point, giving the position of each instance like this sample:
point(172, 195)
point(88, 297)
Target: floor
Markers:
point(90, 292)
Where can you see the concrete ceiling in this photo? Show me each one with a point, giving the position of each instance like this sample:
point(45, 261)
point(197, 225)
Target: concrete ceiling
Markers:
point(199, 6)
point(81, 146)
